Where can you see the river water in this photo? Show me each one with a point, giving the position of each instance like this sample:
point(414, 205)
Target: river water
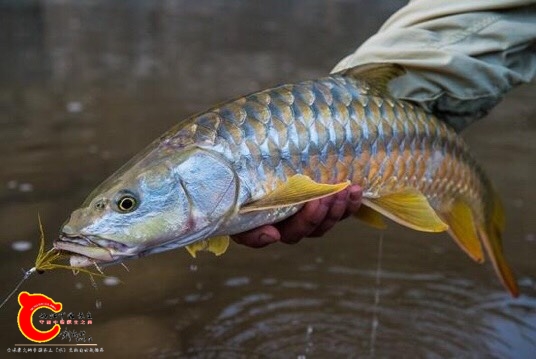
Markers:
point(86, 84)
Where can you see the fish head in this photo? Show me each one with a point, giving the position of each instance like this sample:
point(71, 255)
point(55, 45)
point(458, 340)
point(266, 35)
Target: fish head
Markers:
point(156, 204)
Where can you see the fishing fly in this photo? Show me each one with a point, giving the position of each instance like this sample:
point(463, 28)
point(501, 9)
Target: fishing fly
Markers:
point(48, 260)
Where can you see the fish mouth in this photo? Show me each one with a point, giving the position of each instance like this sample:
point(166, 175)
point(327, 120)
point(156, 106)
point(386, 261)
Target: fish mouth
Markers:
point(89, 250)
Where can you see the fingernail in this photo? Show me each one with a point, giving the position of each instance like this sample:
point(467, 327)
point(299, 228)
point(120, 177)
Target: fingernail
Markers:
point(266, 238)
point(355, 194)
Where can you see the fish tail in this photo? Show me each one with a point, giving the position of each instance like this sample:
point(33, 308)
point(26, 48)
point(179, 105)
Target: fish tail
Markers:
point(491, 236)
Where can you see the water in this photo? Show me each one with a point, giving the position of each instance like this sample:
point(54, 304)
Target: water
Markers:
point(85, 85)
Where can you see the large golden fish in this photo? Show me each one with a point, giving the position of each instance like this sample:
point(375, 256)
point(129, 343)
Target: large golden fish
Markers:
point(257, 159)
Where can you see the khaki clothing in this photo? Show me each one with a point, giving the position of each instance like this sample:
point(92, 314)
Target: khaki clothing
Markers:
point(461, 56)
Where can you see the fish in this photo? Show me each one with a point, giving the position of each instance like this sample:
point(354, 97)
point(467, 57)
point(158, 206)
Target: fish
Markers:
point(257, 159)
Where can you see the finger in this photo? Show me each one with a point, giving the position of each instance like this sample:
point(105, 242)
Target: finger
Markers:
point(336, 210)
point(354, 200)
point(304, 222)
point(314, 219)
point(258, 237)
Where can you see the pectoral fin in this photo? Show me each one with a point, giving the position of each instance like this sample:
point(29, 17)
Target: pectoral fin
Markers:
point(217, 245)
point(370, 217)
point(298, 189)
point(409, 208)
point(462, 228)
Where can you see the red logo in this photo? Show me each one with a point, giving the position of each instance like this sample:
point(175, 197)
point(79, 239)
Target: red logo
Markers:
point(29, 304)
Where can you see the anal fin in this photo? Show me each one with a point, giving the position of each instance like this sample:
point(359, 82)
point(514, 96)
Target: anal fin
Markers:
point(370, 217)
point(409, 208)
point(462, 229)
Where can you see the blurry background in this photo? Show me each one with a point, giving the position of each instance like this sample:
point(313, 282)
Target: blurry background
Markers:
point(86, 84)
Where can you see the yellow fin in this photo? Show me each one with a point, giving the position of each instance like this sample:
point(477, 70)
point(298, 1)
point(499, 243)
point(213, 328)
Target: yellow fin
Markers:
point(370, 217)
point(298, 189)
point(462, 229)
point(217, 245)
point(491, 237)
point(409, 208)
point(378, 75)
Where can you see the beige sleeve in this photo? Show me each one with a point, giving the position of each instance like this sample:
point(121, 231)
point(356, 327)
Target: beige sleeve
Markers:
point(461, 56)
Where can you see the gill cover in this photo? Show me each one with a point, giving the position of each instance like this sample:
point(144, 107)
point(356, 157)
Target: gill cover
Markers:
point(212, 190)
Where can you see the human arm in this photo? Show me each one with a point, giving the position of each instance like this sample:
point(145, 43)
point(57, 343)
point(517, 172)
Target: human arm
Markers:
point(461, 58)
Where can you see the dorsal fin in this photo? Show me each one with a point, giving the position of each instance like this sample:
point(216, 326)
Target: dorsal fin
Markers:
point(376, 75)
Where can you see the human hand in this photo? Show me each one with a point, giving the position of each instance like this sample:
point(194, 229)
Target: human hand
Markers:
point(313, 220)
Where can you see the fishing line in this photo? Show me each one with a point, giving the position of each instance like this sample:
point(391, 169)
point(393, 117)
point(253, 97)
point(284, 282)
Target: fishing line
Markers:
point(375, 321)
point(27, 275)
point(46, 261)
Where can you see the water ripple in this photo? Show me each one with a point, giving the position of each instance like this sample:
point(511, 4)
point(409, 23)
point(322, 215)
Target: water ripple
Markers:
point(420, 315)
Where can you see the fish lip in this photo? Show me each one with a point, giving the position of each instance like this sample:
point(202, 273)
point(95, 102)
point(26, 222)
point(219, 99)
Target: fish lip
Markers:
point(93, 248)
point(92, 241)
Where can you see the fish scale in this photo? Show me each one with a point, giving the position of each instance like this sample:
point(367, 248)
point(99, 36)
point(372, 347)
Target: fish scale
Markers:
point(335, 129)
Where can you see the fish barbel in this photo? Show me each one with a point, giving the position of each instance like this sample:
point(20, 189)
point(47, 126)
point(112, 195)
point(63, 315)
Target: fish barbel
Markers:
point(257, 159)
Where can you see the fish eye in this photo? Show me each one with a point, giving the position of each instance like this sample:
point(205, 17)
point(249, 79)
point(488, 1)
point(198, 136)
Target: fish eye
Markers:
point(127, 203)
